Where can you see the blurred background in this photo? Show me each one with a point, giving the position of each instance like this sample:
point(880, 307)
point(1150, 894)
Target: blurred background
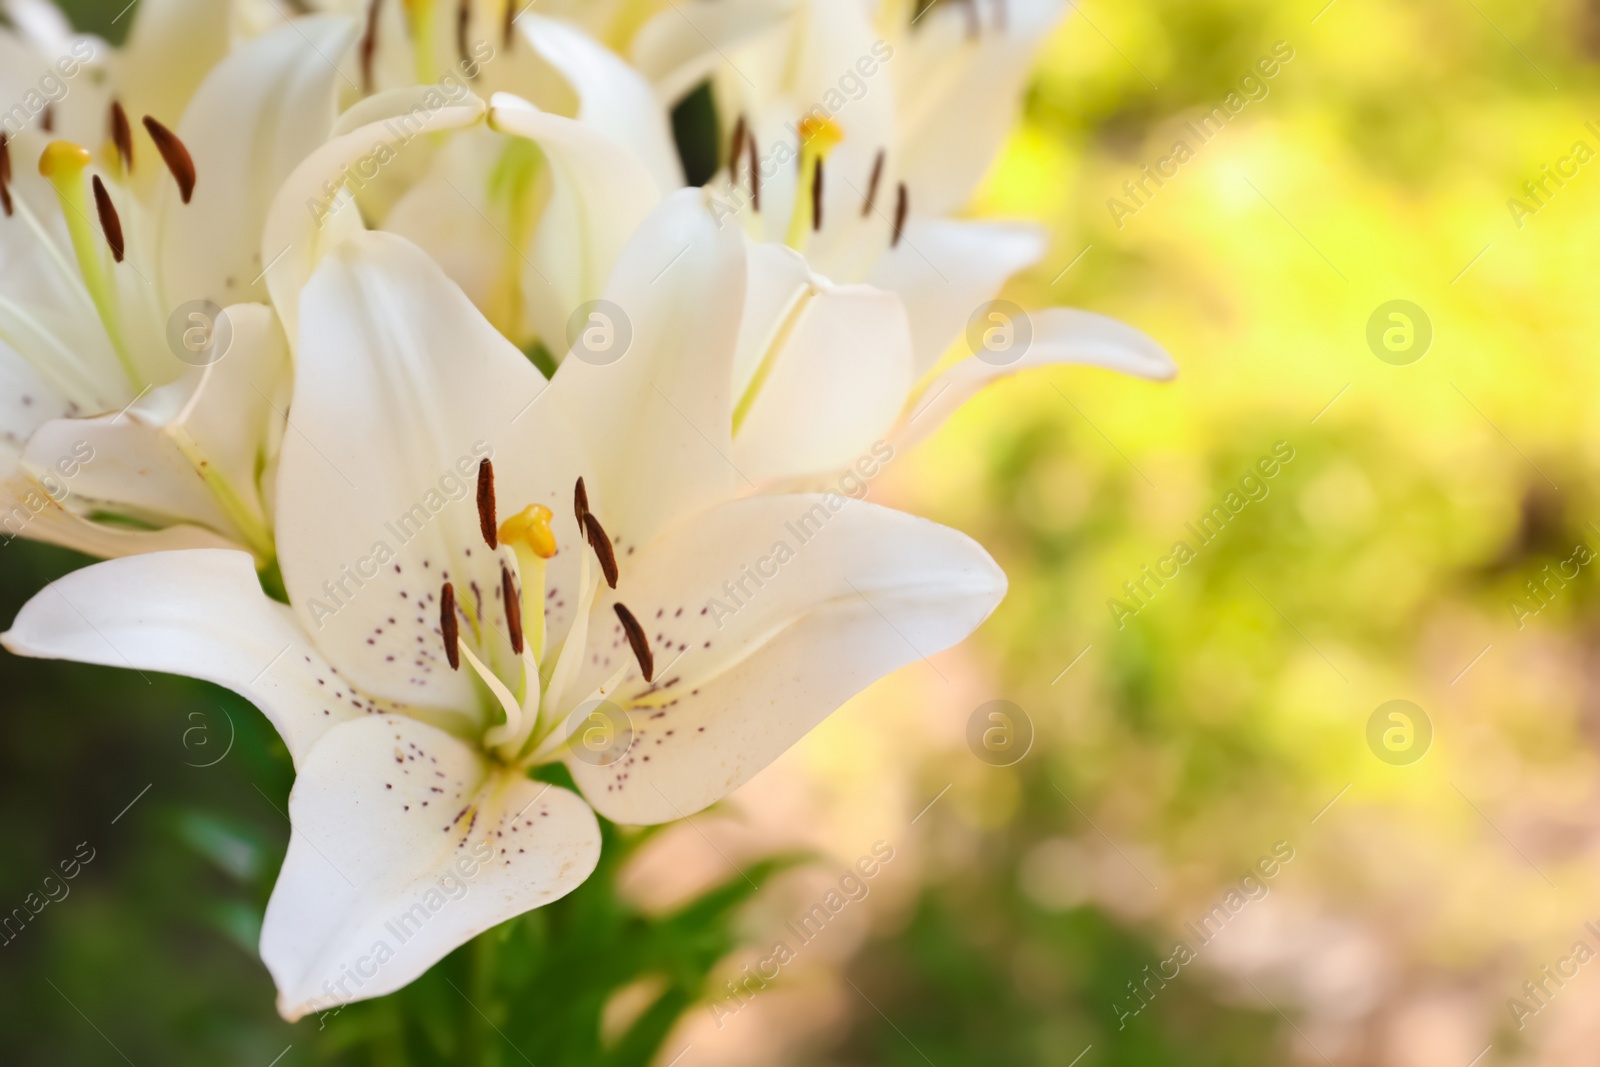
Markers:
point(1198, 761)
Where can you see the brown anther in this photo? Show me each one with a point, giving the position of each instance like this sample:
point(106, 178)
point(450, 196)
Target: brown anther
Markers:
point(369, 45)
point(5, 174)
point(580, 502)
point(121, 135)
point(450, 626)
point(486, 521)
point(872, 184)
point(47, 119)
point(602, 547)
point(755, 175)
point(816, 198)
point(509, 26)
point(176, 156)
point(902, 204)
point(109, 222)
point(736, 148)
point(636, 638)
point(463, 17)
point(508, 589)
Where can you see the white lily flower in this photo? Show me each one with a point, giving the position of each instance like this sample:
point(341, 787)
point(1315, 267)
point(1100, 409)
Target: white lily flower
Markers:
point(137, 417)
point(433, 654)
point(853, 133)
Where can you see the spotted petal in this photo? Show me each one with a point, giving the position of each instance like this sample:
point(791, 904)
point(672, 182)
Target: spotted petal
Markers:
point(402, 389)
point(199, 613)
point(407, 843)
point(763, 616)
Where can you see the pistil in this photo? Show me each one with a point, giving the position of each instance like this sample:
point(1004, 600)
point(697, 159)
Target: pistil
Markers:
point(818, 137)
point(62, 165)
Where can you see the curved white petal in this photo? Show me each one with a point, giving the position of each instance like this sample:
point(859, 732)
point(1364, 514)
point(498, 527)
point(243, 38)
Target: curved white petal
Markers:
point(836, 379)
point(657, 420)
point(407, 844)
point(612, 97)
point(958, 93)
point(679, 48)
point(145, 462)
point(402, 388)
point(764, 615)
point(256, 116)
point(199, 613)
point(1060, 335)
point(306, 220)
point(172, 45)
point(946, 270)
point(599, 194)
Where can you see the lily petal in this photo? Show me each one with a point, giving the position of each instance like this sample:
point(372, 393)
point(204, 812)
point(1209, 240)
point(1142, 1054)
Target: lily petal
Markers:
point(613, 98)
point(600, 192)
point(199, 613)
point(958, 97)
point(402, 389)
point(764, 615)
point(945, 270)
point(262, 111)
point(835, 381)
point(304, 221)
point(144, 462)
point(658, 419)
point(1060, 335)
point(407, 844)
point(677, 49)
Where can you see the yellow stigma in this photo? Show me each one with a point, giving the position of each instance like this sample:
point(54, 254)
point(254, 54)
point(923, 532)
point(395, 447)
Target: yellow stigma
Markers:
point(820, 135)
point(531, 527)
point(63, 160)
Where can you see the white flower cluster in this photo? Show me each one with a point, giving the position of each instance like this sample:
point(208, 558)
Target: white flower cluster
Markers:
point(266, 280)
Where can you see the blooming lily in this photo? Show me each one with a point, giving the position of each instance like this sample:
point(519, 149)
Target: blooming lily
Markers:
point(597, 572)
point(145, 380)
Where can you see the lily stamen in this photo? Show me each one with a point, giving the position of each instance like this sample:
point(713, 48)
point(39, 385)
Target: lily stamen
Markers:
point(450, 626)
point(122, 136)
point(872, 184)
point(369, 45)
point(902, 204)
point(175, 155)
point(601, 543)
point(486, 521)
point(636, 638)
point(755, 175)
point(5, 174)
point(110, 222)
point(580, 502)
point(513, 602)
point(816, 198)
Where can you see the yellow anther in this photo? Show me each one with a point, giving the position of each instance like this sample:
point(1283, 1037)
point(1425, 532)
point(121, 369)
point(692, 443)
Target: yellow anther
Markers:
point(63, 159)
point(531, 527)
